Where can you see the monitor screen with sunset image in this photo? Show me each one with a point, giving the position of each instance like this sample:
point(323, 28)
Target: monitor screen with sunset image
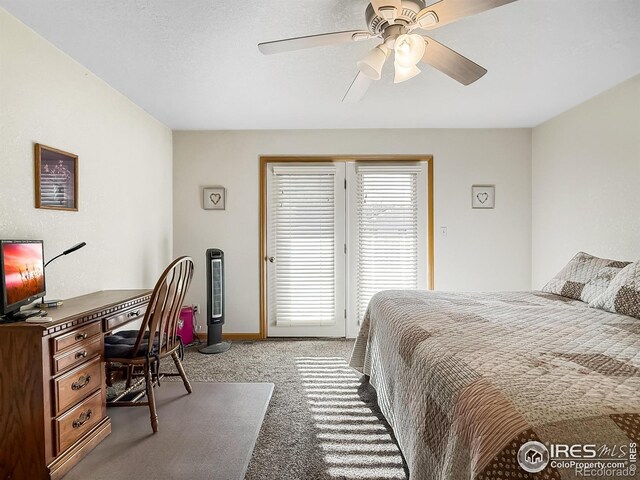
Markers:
point(21, 273)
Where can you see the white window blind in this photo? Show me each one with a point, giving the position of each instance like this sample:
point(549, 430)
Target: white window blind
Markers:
point(387, 231)
point(303, 232)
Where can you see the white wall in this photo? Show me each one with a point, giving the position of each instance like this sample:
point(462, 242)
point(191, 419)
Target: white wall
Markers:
point(484, 249)
point(586, 182)
point(125, 176)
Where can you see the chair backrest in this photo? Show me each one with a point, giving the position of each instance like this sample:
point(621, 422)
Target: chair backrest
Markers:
point(163, 312)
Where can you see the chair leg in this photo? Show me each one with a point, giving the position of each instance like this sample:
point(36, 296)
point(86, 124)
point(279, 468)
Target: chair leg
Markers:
point(108, 372)
point(129, 376)
point(185, 380)
point(151, 397)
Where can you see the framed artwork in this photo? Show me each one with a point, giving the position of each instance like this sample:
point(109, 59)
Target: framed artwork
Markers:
point(56, 179)
point(214, 198)
point(483, 196)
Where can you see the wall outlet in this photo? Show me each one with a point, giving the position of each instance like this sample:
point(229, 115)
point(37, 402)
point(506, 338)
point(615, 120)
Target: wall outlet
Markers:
point(196, 309)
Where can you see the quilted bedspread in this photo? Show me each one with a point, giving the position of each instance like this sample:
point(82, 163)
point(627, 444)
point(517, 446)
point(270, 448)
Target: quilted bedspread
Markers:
point(465, 379)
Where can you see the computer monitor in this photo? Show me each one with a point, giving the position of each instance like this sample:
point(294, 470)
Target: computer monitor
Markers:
point(21, 276)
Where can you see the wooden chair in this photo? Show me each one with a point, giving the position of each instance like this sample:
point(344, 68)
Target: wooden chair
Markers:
point(140, 351)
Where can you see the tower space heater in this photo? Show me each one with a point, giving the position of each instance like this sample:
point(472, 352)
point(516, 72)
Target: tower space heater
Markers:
point(215, 302)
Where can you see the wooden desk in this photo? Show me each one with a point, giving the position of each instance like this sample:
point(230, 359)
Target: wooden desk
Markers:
point(52, 384)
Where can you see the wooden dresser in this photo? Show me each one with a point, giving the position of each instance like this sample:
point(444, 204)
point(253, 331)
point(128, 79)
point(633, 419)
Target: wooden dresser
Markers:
point(52, 384)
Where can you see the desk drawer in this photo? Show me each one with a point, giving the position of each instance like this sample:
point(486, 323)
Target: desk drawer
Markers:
point(71, 426)
point(72, 387)
point(70, 339)
point(85, 350)
point(111, 323)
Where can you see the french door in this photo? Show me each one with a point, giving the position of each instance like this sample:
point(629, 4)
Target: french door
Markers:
point(305, 248)
point(337, 233)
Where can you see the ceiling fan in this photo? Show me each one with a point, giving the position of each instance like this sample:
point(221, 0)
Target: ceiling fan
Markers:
point(395, 21)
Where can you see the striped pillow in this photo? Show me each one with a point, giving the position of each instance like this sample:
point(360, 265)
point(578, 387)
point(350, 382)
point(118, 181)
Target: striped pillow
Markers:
point(585, 277)
point(623, 294)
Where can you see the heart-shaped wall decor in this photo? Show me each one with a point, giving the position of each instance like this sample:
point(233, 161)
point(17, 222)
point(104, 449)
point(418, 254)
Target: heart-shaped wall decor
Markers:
point(482, 197)
point(215, 198)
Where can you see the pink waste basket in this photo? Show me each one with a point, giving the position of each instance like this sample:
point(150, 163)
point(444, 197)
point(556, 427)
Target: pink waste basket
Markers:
point(185, 325)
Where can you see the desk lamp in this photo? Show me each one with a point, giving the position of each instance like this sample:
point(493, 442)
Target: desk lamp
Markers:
point(56, 303)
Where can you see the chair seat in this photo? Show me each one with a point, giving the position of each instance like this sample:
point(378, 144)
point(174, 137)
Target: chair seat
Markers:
point(121, 344)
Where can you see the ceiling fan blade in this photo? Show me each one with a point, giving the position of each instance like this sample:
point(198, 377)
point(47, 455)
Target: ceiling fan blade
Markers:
point(452, 63)
point(448, 11)
point(358, 88)
point(299, 43)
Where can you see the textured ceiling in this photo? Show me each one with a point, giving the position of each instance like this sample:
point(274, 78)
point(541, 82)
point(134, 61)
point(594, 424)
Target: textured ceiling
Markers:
point(194, 64)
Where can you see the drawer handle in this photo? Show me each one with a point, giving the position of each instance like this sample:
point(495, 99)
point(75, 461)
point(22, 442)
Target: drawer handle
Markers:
point(82, 336)
point(82, 354)
point(134, 314)
point(81, 383)
point(82, 419)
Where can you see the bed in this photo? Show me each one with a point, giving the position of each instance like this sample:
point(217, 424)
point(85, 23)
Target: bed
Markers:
point(465, 379)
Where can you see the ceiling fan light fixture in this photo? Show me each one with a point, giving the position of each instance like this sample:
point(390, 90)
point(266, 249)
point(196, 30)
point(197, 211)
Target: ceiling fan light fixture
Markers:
point(409, 50)
point(372, 64)
point(405, 73)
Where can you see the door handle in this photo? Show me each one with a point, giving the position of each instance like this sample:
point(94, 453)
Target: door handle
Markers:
point(271, 259)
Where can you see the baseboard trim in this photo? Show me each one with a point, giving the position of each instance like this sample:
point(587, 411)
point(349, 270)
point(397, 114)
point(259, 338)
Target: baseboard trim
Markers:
point(238, 337)
point(242, 337)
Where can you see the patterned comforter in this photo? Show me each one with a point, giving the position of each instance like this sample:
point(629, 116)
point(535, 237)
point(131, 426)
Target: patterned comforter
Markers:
point(466, 379)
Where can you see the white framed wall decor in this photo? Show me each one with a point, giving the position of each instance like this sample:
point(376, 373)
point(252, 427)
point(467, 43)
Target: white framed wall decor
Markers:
point(214, 198)
point(483, 196)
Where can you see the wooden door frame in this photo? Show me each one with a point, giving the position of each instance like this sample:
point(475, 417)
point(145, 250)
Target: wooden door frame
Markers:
point(265, 160)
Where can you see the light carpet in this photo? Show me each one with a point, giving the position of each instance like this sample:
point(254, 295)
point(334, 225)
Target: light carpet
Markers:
point(323, 421)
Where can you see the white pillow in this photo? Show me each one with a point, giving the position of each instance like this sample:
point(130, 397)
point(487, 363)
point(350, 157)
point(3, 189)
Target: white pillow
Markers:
point(623, 293)
point(585, 277)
